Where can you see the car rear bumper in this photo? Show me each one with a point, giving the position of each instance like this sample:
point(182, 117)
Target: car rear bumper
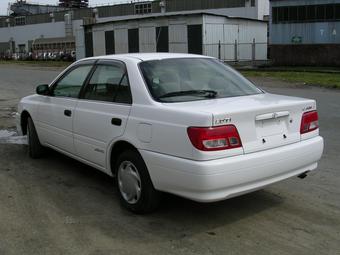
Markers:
point(214, 180)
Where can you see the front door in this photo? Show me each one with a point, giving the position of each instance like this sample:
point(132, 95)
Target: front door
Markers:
point(56, 112)
point(102, 112)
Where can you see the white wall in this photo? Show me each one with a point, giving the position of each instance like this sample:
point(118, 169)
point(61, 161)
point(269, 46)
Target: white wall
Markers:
point(147, 38)
point(78, 32)
point(121, 40)
point(178, 40)
point(243, 12)
point(227, 31)
point(260, 9)
point(22, 34)
point(263, 8)
point(99, 41)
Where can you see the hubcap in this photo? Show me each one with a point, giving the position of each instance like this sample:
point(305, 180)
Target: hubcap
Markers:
point(129, 182)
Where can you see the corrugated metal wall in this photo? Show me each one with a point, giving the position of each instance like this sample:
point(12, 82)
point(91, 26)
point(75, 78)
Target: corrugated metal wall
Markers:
point(147, 37)
point(178, 40)
point(82, 13)
point(236, 39)
point(180, 5)
point(121, 37)
point(305, 32)
point(116, 10)
point(310, 33)
point(38, 18)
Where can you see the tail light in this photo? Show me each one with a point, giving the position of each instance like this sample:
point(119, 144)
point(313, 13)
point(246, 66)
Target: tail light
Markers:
point(309, 122)
point(214, 138)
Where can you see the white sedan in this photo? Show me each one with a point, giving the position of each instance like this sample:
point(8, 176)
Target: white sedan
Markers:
point(178, 123)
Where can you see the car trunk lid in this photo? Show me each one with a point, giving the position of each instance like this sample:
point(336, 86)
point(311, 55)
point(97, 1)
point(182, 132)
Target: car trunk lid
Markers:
point(263, 121)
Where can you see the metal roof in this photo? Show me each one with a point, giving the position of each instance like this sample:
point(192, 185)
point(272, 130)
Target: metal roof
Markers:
point(170, 14)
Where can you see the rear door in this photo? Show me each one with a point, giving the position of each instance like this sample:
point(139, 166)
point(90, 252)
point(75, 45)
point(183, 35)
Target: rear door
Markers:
point(56, 111)
point(102, 112)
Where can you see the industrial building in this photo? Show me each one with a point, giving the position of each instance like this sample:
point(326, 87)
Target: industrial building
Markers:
point(197, 32)
point(31, 24)
point(305, 32)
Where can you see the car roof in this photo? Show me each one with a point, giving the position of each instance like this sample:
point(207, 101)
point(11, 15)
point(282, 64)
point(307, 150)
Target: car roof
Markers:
point(148, 56)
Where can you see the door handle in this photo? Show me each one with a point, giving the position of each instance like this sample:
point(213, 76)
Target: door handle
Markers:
point(68, 113)
point(116, 122)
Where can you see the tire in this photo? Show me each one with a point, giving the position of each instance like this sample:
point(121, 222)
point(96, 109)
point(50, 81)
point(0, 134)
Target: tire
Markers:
point(35, 149)
point(133, 183)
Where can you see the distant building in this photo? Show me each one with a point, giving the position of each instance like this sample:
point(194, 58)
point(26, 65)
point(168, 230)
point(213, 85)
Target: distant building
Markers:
point(209, 33)
point(305, 32)
point(30, 22)
point(22, 8)
point(74, 3)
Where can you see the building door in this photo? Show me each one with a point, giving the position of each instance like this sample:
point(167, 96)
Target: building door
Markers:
point(195, 39)
point(110, 42)
point(88, 44)
point(162, 39)
point(133, 38)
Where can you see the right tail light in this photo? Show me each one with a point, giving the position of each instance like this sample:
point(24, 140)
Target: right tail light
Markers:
point(309, 122)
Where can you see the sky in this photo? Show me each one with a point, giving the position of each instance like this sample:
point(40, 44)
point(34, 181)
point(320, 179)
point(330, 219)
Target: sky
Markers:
point(4, 3)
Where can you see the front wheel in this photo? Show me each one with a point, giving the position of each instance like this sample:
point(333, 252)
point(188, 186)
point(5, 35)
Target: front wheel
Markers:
point(135, 189)
point(35, 149)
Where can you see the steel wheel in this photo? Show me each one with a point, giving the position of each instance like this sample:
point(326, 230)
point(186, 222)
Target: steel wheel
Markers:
point(129, 182)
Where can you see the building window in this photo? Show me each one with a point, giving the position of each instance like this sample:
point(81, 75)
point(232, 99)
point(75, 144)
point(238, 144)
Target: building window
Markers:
point(329, 12)
point(275, 15)
point(301, 13)
point(337, 11)
point(20, 21)
point(310, 12)
point(252, 3)
point(320, 12)
point(143, 8)
point(293, 14)
point(307, 13)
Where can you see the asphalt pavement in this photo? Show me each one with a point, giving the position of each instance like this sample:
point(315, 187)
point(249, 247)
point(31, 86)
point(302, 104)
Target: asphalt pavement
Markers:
point(57, 205)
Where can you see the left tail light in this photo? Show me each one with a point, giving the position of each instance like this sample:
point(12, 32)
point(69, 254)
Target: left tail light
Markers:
point(309, 122)
point(214, 138)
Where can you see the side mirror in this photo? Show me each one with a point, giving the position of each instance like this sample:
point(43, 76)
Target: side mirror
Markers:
point(43, 90)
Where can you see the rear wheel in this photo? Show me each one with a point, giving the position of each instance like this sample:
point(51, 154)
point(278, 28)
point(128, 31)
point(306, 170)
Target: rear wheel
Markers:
point(35, 149)
point(135, 189)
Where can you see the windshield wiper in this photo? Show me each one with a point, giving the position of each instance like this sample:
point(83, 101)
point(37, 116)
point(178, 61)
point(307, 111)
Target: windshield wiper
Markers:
point(205, 93)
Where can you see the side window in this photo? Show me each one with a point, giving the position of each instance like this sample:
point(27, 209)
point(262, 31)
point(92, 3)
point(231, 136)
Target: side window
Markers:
point(70, 85)
point(109, 83)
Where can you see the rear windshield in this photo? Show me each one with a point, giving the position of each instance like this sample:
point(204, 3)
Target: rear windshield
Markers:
point(191, 79)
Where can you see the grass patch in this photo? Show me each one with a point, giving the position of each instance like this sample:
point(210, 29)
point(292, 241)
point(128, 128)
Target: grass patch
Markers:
point(47, 63)
point(327, 80)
